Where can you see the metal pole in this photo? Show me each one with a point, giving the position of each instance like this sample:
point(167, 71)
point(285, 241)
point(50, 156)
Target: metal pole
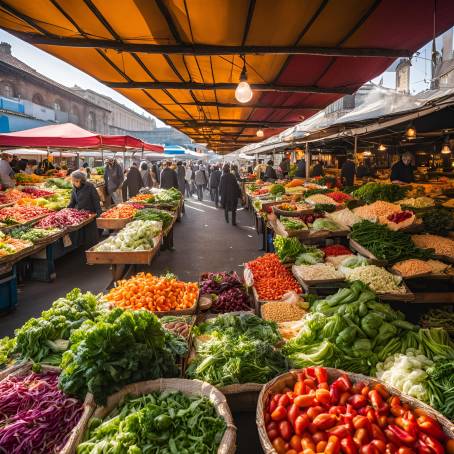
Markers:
point(307, 158)
point(355, 150)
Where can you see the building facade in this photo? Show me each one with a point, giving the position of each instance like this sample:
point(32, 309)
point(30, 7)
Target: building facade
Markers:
point(121, 119)
point(30, 99)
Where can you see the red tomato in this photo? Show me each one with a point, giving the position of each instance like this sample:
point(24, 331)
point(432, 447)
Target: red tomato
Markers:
point(308, 451)
point(358, 386)
point(314, 411)
point(292, 451)
point(365, 391)
point(301, 424)
point(295, 443)
point(320, 446)
point(348, 446)
point(272, 434)
point(305, 400)
point(323, 385)
point(380, 445)
point(357, 401)
point(298, 389)
point(450, 446)
point(404, 450)
point(369, 449)
point(333, 445)
point(322, 396)
point(272, 406)
point(307, 443)
point(286, 430)
point(361, 437)
point(319, 436)
point(324, 421)
point(272, 425)
point(344, 398)
point(284, 400)
point(293, 413)
point(382, 390)
point(310, 384)
point(279, 414)
point(279, 445)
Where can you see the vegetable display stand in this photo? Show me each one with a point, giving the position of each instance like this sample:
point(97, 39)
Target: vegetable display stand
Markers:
point(366, 253)
point(82, 224)
point(189, 387)
point(279, 228)
point(290, 378)
point(318, 286)
point(295, 213)
point(8, 291)
point(112, 223)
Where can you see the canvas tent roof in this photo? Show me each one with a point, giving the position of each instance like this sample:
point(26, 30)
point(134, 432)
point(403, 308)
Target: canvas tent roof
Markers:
point(181, 59)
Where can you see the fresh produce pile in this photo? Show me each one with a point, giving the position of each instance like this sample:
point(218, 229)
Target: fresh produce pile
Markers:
point(21, 214)
point(36, 192)
point(440, 245)
point(386, 244)
point(169, 196)
point(371, 192)
point(178, 324)
point(32, 234)
point(320, 199)
point(438, 221)
point(439, 318)
point(45, 338)
point(277, 189)
point(153, 214)
point(121, 211)
point(293, 223)
point(318, 271)
point(325, 224)
point(344, 217)
point(376, 210)
point(58, 183)
point(418, 202)
point(68, 217)
point(136, 236)
point(143, 198)
point(440, 386)
point(310, 255)
point(283, 311)
point(10, 245)
point(318, 416)
point(412, 267)
point(120, 347)
point(271, 279)
point(339, 197)
point(335, 250)
point(167, 422)
point(236, 349)
point(377, 278)
point(24, 178)
point(227, 292)
point(158, 294)
point(11, 196)
point(35, 416)
point(287, 248)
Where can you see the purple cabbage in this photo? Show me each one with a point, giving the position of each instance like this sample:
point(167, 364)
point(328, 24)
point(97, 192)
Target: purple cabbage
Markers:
point(216, 283)
point(35, 416)
point(234, 299)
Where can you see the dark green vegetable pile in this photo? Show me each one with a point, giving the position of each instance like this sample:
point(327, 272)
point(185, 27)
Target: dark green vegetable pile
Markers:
point(121, 347)
point(240, 349)
point(153, 214)
point(169, 422)
point(287, 248)
point(44, 339)
point(440, 386)
point(439, 318)
point(438, 221)
point(371, 192)
point(387, 244)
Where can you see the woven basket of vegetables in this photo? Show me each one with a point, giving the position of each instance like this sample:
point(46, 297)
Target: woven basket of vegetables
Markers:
point(170, 413)
point(42, 427)
point(334, 411)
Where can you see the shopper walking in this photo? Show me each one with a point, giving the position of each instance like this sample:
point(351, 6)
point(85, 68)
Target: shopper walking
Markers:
point(285, 166)
point(348, 172)
point(200, 182)
point(230, 192)
point(318, 170)
point(113, 180)
point(402, 170)
point(168, 177)
point(6, 171)
point(146, 175)
point(270, 173)
point(215, 179)
point(187, 179)
point(181, 175)
point(300, 168)
point(134, 180)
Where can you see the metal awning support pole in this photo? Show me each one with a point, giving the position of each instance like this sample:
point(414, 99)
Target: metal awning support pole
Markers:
point(307, 158)
point(355, 150)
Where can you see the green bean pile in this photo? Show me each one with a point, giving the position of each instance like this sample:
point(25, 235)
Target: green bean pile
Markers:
point(386, 244)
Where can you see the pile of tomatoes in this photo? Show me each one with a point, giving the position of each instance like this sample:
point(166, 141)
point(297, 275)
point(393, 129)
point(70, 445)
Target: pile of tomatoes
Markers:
point(341, 417)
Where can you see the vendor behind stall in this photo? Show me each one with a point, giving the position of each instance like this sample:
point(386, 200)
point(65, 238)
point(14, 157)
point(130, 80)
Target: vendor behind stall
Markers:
point(85, 197)
point(402, 171)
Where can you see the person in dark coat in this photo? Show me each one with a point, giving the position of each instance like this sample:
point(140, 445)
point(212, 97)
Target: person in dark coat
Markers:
point(230, 192)
point(270, 172)
point(113, 180)
point(85, 197)
point(362, 171)
point(317, 170)
point(402, 171)
point(285, 166)
point(348, 172)
point(236, 172)
point(181, 173)
point(168, 177)
point(134, 180)
point(146, 175)
point(215, 179)
point(300, 168)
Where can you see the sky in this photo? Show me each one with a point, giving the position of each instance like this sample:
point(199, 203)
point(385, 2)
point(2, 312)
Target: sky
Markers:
point(67, 75)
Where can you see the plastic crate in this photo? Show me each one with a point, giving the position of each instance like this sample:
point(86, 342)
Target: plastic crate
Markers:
point(8, 291)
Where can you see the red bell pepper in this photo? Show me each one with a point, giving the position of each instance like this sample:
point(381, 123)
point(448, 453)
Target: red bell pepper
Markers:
point(321, 374)
point(422, 447)
point(310, 372)
point(430, 427)
point(434, 445)
point(375, 399)
point(398, 436)
point(377, 433)
point(357, 401)
point(338, 410)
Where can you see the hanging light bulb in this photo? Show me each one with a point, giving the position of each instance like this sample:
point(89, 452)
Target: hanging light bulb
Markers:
point(243, 92)
point(445, 149)
point(381, 147)
point(260, 132)
point(410, 132)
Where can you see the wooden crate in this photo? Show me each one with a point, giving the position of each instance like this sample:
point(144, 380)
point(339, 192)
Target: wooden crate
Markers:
point(112, 223)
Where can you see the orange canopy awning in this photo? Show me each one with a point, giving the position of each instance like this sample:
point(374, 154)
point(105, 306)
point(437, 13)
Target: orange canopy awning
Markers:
point(181, 59)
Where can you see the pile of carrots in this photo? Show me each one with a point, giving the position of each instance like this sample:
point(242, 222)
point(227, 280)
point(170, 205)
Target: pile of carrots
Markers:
point(145, 198)
point(271, 279)
point(121, 211)
point(157, 294)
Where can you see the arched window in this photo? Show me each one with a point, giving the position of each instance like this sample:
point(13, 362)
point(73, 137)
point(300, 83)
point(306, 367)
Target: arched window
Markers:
point(38, 99)
point(59, 105)
point(91, 121)
point(8, 90)
point(75, 114)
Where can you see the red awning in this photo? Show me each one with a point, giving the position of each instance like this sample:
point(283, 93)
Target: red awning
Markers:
point(68, 135)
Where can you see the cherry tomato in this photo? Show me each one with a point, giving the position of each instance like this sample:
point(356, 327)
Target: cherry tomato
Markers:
point(299, 388)
point(306, 400)
point(301, 424)
point(322, 396)
point(314, 411)
point(272, 434)
point(284, 400)
point(344, 398)
point(320, 446)
point(279, 414)
point(319, 436)
point(272, 406)
point(333, 445)
point(293, 413)
point(279, 445)
point(295, 443)
point(324, 421)
point(286, 430)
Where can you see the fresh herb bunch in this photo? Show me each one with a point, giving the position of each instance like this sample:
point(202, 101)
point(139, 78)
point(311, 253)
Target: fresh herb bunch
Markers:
point(386, 244)
point(371, 192)
point(324, 207)
point(168, 421)
point(440, 386)
point(7, 347)
point(438, 221)
point(153, 214)
point(121, 347)
point(44, 339)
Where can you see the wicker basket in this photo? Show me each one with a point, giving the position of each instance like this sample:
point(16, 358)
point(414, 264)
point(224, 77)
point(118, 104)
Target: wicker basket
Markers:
point(191, 387)
point(89, 405)
point(289, 379)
